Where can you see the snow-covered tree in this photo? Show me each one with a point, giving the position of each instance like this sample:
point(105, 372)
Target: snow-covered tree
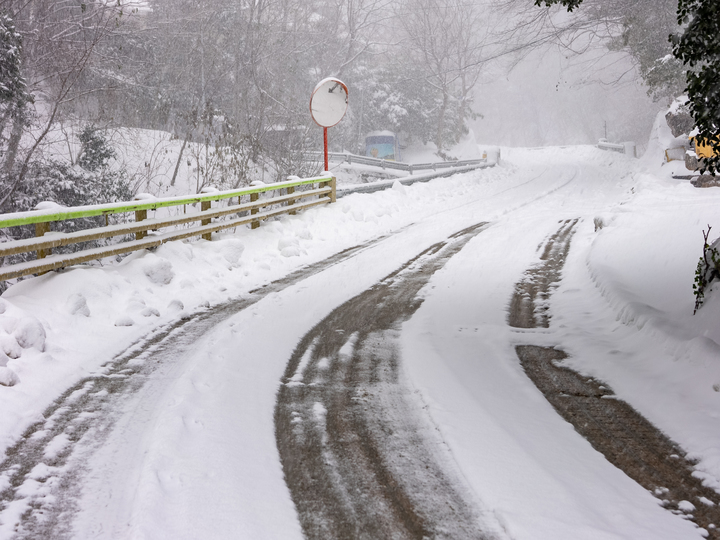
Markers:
point(696, 43)
point(640, 28)
point(445, 38)
point(59, 40)
point(13, 88)
point(699, 47)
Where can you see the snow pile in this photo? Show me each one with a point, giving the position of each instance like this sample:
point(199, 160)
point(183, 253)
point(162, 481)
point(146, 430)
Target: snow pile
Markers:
point(20, 332)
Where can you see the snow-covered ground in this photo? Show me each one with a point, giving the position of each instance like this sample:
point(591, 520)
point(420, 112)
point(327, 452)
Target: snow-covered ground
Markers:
point(624, 314)
point(204, 461)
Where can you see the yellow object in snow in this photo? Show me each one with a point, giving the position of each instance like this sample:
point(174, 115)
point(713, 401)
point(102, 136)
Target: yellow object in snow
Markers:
point(703, 150)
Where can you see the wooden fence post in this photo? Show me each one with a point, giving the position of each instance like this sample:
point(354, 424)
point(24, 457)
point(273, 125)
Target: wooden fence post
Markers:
point(333, 193)
point(205, 205)
point(291, 189)
point(140, 215)
point(254, 197)
point(40, 230)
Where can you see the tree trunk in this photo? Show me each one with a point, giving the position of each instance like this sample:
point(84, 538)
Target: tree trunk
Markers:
point(439, 136)
point(15, 136)
point(179, 159)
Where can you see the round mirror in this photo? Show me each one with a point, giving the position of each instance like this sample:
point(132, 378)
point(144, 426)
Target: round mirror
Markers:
point(329, 102)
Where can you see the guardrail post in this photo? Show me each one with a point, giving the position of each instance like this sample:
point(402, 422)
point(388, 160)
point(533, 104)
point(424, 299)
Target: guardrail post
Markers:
point(205, 205)
point(40, 230)
point(410, 168)
point(333, 188)
point(140, 215)
point(290, 190)
point(254, 197)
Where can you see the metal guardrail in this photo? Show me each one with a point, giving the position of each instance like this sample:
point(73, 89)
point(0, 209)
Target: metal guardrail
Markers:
point(408, 180)
point(628, 148)
point(347, 157)
point(45, 240)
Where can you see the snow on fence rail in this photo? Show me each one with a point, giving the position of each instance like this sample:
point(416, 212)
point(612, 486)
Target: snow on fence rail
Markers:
point(623, 148)
point(45, 240)
point(389, 164)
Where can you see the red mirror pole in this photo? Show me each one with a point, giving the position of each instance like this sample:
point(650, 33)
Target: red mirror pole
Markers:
point(327, 168)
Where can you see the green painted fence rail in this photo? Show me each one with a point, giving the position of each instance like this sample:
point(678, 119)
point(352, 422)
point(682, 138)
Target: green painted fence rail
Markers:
point(146, 230)
point(61, 214)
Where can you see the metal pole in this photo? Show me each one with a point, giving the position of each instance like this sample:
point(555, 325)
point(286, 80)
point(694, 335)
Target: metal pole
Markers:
point(327, 168)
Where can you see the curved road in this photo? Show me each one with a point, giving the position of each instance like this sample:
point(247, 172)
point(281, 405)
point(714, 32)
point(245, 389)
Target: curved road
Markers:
point(360, 457)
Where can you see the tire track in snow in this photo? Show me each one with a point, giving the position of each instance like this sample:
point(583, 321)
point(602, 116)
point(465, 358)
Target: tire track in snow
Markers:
point(359, 456)
point(626, 439)
point(41, 474)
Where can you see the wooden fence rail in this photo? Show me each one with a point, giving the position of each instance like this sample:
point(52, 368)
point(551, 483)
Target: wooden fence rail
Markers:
point(146, 230)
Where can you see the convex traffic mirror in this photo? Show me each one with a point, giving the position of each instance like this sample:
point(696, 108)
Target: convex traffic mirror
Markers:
point(328, 102)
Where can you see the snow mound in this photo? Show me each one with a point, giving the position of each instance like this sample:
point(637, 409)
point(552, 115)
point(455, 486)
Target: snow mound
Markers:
point(290, 251)
point(176, 305)
point(158, 271)
point(9, 346)
point(8, 377)
point(686, 506)
point(232, 250)
point(149, 312)
point(47, 205)
point(30, 333)
point(289, 246)
point(124, 321)
point(77, 305)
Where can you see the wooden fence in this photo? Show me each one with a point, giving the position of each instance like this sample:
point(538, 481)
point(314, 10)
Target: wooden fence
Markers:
point(316, 191)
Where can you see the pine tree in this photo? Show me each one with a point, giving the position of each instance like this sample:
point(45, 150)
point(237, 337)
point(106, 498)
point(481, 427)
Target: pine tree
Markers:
point(13, 90)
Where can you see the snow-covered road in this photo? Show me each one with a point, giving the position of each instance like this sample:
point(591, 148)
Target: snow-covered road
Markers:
point(185, 447)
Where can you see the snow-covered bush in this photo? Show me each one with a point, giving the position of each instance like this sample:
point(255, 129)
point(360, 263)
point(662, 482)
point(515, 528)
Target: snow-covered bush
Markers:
point(708, 269)
point(66, 184)
point(95, 152)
